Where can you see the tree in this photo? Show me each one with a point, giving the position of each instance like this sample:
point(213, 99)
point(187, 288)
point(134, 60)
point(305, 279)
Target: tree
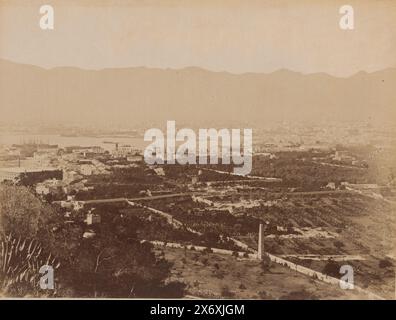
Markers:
point(114, 263)
point(32, 178)
point(332, 268)
point(25, 234)
point(21, 213)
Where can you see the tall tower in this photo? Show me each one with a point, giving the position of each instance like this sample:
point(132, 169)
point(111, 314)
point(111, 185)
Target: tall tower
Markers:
point(260, 251)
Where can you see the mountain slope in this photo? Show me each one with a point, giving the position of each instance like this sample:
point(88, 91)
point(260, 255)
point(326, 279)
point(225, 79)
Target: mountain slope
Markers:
point(132, 95)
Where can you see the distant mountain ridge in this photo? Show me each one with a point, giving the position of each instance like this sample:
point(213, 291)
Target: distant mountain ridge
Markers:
point(135, 95)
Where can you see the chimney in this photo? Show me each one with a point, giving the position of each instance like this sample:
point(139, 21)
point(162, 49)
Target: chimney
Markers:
point(260, 251)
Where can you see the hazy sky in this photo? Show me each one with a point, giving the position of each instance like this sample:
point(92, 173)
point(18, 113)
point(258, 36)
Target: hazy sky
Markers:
point(232, 35)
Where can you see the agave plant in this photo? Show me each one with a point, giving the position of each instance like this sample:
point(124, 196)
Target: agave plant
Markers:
point(20, 262)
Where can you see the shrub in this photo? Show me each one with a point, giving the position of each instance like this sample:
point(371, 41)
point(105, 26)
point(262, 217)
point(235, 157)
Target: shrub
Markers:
point(332, 268)
point(338, 244)
point(174, 289)
point(207, 250)
point(299, 295)
point(264, 295)
point(266, 263)
point(21, 261)
point(385, 263)
point(226, 292)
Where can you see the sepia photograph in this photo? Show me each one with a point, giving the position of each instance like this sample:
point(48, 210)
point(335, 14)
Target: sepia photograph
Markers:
point(177, 150)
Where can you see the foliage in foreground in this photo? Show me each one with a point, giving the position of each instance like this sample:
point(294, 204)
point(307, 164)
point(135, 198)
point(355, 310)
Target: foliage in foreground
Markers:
point(20, 263)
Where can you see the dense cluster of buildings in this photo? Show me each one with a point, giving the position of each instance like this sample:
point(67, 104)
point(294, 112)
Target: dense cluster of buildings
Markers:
point(75, 162)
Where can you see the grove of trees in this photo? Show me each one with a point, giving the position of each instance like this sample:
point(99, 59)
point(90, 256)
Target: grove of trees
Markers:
point(112, 264)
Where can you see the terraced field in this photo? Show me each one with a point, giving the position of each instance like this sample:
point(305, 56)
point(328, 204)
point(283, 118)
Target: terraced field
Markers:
point(342, 223)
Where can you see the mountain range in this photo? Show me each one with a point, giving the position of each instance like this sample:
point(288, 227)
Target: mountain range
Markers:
point(134, 95)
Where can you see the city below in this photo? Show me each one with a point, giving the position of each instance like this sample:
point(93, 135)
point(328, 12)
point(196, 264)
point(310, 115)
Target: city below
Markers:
point(318, 197)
